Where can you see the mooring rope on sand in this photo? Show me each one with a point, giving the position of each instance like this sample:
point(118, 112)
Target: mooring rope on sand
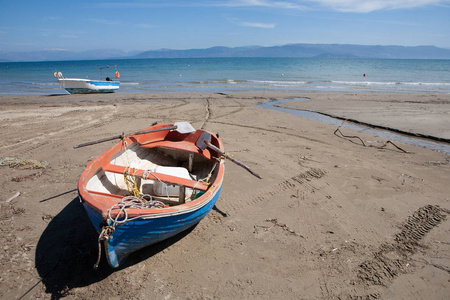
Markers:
point(338, 130)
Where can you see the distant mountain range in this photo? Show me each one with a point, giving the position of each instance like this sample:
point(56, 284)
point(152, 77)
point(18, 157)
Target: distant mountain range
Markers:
point(58, 55)
point(290, 50)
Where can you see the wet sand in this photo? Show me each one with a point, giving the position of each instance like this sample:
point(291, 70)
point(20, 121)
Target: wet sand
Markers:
point(330, 218)
point(426, 115)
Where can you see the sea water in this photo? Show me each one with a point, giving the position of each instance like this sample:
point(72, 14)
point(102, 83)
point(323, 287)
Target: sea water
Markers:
point(228, 75)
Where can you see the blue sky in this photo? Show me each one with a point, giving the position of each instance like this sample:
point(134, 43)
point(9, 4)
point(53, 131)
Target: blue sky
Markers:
point(148, 25)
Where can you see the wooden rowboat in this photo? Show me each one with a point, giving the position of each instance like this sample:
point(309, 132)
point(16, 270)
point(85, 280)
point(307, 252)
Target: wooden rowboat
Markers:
point(151, 186)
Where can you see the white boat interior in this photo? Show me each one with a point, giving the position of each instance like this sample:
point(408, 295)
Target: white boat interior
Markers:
point(154, 161)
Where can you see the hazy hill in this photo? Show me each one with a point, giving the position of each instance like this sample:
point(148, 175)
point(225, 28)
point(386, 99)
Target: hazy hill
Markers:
point(291, 50)
point(57, 55)
point(307, 50)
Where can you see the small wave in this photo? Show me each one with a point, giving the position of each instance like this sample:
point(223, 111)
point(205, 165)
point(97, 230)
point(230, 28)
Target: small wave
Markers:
point(45, 83)
point(366, 82)
point(130, 83)
point(218, 81)
point(390, 83)
point(427, 83)
point(284, 82)
point(197, 82)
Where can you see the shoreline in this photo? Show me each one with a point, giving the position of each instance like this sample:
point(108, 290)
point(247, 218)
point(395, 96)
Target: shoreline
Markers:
point(312, 91)
point(418, 112)
point(322, 223)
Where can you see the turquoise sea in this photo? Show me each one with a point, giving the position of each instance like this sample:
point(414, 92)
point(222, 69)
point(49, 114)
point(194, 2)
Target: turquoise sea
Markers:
point(227, 75)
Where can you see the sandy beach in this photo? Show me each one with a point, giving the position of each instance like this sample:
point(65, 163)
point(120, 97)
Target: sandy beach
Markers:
point(330, 218)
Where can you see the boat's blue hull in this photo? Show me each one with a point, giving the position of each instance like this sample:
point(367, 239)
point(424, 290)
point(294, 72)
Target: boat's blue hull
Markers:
point(89, 91)
point(135, 235)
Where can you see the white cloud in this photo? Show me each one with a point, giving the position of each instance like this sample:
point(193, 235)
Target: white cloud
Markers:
point(364, 6)
point(146, 26)
point(68, 36)
point(263, 3)
point(259, 25)
point(358, 6)
point(52, 18)
point(55, 49)
point(251, 24)
point(104, 22)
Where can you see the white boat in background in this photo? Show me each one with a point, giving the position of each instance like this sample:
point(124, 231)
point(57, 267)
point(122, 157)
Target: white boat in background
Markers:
point(88, 86)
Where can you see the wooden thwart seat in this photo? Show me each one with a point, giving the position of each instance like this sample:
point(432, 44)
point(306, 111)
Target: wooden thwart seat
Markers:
point(180, 145)
point(197, 185)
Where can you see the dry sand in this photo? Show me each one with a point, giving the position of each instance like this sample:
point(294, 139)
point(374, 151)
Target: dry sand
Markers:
point(330, 218)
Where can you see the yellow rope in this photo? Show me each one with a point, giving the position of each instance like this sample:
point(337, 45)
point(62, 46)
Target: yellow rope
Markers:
point(132, 186)
point(206, 179)
point(130, 179)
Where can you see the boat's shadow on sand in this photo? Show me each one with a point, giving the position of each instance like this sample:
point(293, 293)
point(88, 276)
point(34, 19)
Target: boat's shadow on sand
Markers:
point(68, 249)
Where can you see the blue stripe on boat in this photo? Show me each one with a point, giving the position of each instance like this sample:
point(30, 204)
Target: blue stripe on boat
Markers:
point(138, 234)
point(88, 91)
point(104, 83)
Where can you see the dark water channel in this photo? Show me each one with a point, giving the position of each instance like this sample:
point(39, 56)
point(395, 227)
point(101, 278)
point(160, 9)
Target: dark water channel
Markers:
point(387, 134)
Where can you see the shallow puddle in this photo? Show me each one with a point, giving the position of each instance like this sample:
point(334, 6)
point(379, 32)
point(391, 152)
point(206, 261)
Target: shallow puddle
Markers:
point(387, 134)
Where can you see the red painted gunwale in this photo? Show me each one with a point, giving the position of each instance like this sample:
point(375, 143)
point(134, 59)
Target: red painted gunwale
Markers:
point(102, 202)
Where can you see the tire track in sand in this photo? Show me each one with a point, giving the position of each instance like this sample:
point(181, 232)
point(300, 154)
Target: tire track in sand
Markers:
point(393, 259)
point(381, 269)
point(266, 193)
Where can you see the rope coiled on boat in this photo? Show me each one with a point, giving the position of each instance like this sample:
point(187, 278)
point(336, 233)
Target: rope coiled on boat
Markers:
point(131, 202)
point(122, 217)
